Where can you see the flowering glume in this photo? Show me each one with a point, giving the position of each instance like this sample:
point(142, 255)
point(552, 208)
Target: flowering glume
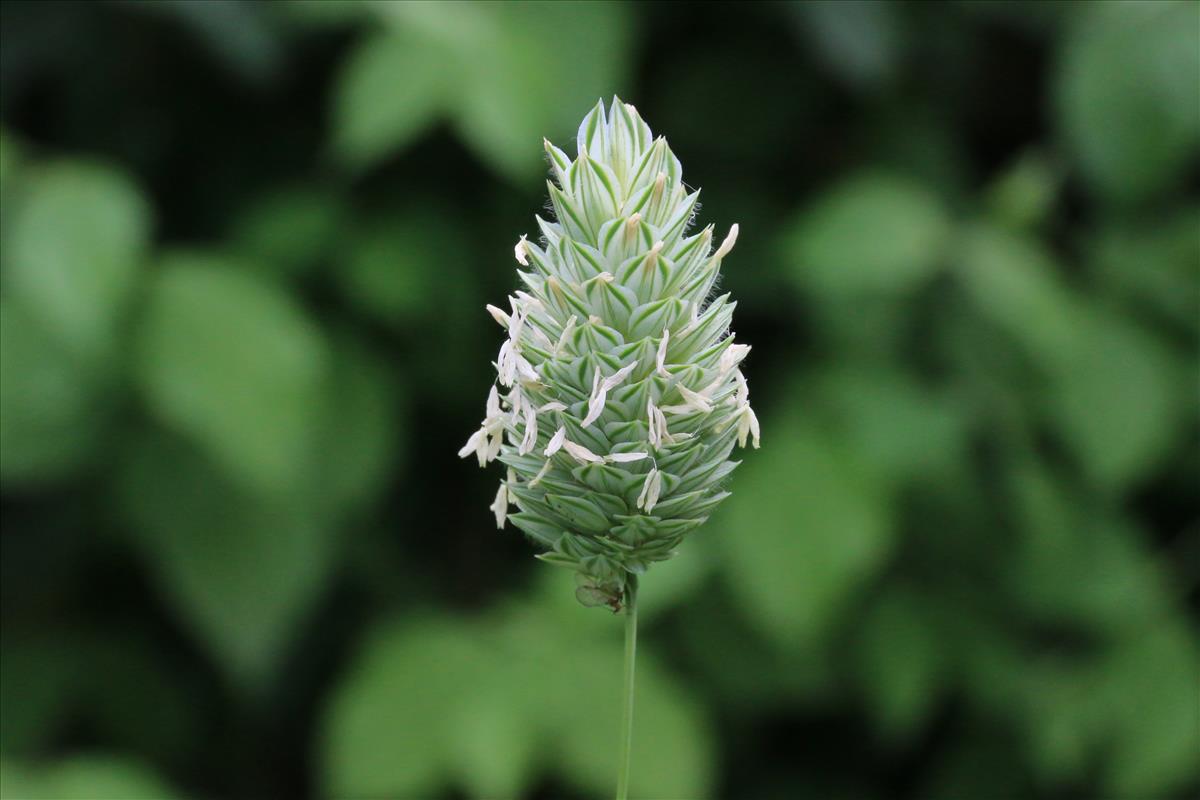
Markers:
point(623, 393)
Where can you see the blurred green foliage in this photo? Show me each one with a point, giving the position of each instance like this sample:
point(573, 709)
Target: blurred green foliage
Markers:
point(245, 253)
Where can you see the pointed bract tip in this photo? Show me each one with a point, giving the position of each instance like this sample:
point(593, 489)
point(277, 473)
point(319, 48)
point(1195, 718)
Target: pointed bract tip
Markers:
point(500, 505)
point(729, 242)
point(652, 256)
point(499, 316)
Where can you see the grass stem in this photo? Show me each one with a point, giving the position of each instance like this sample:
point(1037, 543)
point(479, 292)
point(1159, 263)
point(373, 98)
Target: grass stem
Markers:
point(627, 708)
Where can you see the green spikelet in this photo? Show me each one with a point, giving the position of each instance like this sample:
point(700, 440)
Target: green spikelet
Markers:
point(622, 394)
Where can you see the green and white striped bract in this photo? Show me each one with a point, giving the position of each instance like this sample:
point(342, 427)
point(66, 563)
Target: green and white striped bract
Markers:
point(619, 395)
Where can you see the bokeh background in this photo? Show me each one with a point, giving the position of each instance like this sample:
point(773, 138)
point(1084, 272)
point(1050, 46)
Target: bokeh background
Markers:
point(246, 250)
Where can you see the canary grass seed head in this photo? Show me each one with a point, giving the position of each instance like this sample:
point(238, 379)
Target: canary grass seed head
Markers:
point(619, 395)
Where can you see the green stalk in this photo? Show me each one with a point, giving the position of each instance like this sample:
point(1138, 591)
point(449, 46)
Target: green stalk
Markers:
point(627, 713)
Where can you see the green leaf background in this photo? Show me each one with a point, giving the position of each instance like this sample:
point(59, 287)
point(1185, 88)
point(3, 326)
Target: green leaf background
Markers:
point(244, 254)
